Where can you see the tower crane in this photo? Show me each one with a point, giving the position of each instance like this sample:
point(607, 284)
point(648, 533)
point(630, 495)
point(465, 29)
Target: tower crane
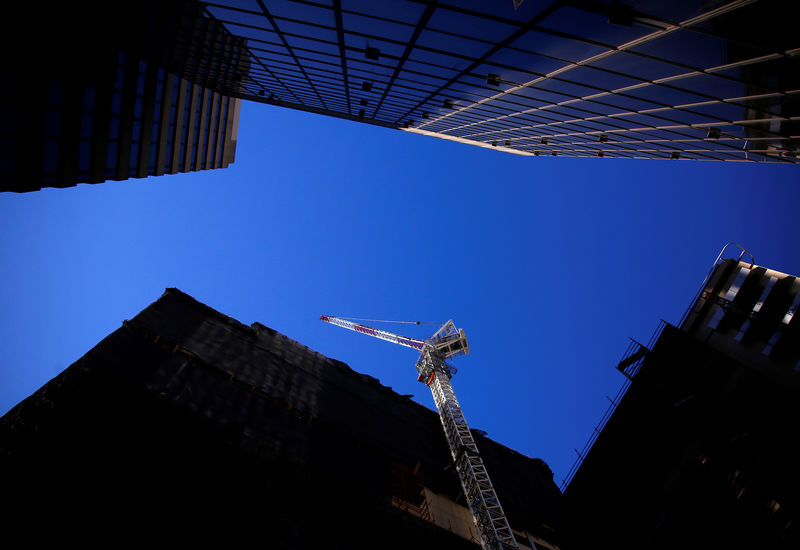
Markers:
point(434, 372)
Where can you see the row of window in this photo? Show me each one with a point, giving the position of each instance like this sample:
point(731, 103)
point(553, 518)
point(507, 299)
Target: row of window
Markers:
point(130, 109)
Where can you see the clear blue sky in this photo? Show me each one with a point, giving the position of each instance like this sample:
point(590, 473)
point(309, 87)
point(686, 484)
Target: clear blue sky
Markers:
point(548, 264)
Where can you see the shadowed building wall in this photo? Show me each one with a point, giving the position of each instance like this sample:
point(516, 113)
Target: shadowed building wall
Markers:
point(185, 418)
point(702, 450)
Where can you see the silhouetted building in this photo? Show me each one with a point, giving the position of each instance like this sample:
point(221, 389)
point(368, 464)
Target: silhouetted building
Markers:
point(187, 421)
point(702, 450)
point(139, 89)
point(712, 80)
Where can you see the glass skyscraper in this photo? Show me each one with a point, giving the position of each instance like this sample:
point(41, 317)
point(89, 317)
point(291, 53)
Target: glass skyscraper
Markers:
point(712, 80)
point(153, 87)
point(121, 94)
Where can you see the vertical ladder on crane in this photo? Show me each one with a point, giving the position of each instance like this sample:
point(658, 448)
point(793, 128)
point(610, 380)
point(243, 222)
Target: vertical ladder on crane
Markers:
point(487, 513)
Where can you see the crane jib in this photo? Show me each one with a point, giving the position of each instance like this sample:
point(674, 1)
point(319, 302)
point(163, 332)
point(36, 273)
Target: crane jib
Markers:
point(365, 330)
point(411, 343)
point(380, 334)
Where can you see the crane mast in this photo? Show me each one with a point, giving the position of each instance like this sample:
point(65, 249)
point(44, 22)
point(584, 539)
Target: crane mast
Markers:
point(433, 371)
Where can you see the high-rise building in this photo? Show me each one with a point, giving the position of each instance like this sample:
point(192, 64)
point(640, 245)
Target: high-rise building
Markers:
point(117, 94)
point(702, 449)
point(712, 80)
point(188, 422)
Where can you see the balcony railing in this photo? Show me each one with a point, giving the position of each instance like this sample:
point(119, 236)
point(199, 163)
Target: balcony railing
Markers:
point(629, 365)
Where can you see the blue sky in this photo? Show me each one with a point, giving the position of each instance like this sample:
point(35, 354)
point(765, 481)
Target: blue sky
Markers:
point(548, 264)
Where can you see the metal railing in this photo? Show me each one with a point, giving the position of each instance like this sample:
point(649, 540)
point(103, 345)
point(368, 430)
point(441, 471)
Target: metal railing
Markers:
point(632, 361)
point(629, 365)
point(710, 272)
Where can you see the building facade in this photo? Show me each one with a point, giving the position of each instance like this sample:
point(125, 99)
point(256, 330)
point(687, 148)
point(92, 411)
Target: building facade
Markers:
point(122, 93)
point(185, 422)
point(713, 80)
point(701, 451)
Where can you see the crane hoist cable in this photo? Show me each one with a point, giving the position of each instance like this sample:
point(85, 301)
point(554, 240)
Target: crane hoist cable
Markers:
point(388, 321)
